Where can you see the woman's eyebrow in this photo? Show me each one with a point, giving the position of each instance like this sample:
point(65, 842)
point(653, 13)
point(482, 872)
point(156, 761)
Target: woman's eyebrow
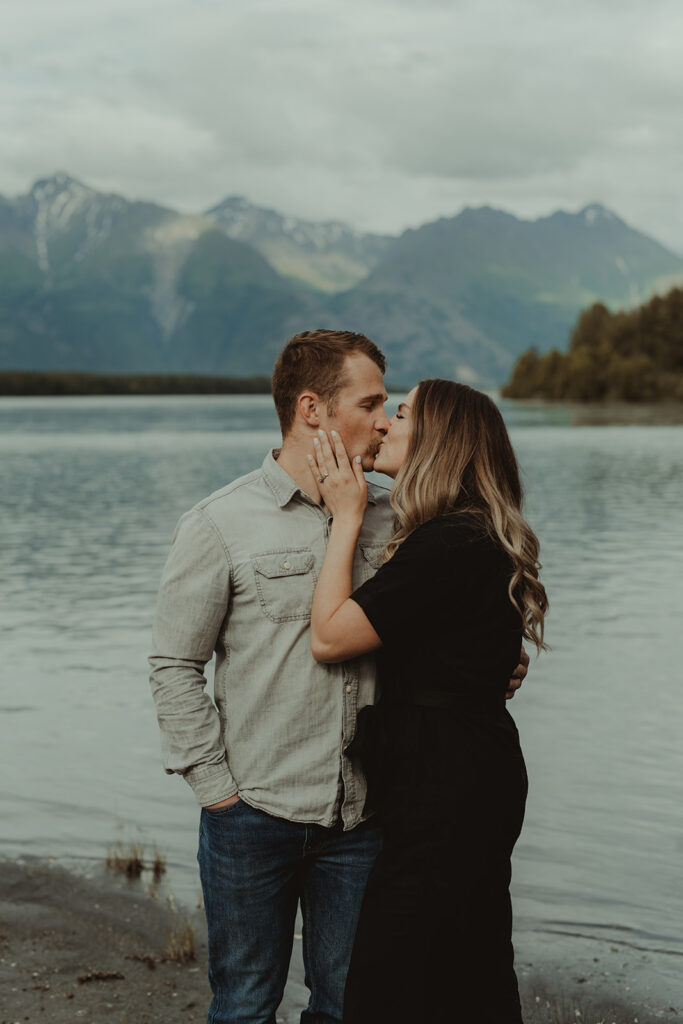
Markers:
point(403, 406)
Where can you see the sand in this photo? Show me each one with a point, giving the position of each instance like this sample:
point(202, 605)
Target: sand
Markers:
point(96, 949)
point(58, 930)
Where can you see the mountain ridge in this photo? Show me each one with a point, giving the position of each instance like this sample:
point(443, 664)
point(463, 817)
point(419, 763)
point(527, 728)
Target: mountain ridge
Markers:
point(328, 255)
point(94, 281)
point(499, 285)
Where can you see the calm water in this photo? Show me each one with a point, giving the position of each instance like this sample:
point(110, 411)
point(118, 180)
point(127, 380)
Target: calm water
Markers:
point(90, 490)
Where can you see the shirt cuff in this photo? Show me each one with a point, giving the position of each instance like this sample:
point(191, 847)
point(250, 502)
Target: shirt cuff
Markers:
point(211, 783)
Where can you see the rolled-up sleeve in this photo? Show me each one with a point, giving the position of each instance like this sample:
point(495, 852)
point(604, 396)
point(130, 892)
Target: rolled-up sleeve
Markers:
point(192, 605)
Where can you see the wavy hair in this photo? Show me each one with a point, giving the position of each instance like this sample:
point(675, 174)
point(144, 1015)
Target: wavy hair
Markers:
point(460, 459)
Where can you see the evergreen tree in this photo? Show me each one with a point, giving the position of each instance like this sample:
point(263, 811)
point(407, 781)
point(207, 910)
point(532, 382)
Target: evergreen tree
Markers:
point(630, 356)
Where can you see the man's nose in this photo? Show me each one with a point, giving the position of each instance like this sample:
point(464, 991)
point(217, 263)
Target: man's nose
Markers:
point(383, 422)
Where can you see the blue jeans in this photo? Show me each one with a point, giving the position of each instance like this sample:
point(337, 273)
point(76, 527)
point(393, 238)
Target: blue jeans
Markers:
point(254, 870)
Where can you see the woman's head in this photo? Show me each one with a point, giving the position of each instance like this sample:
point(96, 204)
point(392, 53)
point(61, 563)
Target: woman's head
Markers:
point(449, 443)
point(449, 451)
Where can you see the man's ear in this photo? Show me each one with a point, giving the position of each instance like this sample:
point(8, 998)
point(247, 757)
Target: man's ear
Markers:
point(308, 407)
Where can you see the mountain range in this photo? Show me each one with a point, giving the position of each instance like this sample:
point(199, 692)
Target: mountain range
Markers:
point(96, 282)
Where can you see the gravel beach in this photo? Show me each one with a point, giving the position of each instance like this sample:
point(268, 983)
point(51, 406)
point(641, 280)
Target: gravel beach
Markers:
point(95, 949)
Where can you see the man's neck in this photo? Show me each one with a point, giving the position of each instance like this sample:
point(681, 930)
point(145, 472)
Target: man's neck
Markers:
point(292, 459)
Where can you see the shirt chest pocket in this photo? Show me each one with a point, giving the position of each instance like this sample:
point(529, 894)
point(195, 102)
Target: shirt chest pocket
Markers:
point(285, 581)
point(372, 557)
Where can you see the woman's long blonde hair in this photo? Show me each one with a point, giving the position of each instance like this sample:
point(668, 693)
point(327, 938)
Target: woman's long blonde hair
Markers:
point(460, 459)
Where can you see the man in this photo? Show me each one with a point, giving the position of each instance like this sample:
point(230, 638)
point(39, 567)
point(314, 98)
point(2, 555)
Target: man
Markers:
point(282, 818)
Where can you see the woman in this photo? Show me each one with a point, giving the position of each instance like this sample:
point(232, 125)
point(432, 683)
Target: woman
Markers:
point(447, 613)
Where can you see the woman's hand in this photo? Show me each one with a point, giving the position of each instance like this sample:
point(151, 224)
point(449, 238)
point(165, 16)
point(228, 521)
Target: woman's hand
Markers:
point(341, 483)
point(339, 627)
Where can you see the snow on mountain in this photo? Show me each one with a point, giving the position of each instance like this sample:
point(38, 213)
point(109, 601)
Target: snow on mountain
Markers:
point(328, 255)
point(95, 281)
point(595, 212)
point(60, 203)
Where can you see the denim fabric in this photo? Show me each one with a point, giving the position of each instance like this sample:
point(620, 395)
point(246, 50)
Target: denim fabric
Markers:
point(239, 582)
point(254, 870)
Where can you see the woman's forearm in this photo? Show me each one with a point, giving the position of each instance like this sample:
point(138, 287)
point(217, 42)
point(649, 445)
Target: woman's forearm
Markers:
point(335, 581)
point(339, 628)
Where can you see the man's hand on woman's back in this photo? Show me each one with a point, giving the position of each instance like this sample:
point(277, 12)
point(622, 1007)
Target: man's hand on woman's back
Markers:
point(518, 675)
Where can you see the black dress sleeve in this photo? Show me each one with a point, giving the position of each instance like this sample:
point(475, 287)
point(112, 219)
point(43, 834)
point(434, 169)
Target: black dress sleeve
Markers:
point(404, 589)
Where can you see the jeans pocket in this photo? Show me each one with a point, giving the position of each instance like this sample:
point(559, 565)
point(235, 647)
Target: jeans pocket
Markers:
point(221, 812)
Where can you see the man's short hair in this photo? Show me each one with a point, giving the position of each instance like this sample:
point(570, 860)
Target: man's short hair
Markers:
point(314, 361)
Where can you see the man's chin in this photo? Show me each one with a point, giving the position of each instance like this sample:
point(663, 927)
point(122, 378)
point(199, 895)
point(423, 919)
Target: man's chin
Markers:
point(379, 467)
point(370, 456)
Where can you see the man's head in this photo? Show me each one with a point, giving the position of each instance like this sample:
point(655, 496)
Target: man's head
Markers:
point(332, 380)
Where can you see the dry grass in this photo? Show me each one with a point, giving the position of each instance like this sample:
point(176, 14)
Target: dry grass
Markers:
point(126, 860)
point(180, 944)
point(129, 860)
point(158, 867)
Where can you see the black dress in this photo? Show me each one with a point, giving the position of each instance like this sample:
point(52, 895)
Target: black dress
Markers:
point(434, 938)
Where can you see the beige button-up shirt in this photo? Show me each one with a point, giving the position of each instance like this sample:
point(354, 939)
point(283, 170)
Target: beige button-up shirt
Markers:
point(239, 582)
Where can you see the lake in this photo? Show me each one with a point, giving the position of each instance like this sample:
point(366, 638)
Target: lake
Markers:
point(90, 491)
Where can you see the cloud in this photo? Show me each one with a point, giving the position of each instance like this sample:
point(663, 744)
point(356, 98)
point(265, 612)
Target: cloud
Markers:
point(380, 112)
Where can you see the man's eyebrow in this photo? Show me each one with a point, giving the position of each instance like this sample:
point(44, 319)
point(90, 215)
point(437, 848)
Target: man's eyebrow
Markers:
point(379, 397)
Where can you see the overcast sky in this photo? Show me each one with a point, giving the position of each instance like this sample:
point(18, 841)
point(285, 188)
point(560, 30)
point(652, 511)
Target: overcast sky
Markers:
point(381, 113)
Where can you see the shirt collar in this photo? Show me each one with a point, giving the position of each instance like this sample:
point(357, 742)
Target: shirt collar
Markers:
point(282, 485)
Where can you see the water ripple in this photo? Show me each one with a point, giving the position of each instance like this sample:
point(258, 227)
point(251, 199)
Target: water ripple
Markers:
point(90, 493)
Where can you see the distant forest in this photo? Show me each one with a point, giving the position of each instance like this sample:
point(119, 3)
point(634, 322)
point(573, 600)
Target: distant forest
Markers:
point(634, 356)
point(24, 383)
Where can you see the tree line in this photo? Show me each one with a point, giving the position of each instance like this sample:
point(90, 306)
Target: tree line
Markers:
point(25, 383)
point(634, 356)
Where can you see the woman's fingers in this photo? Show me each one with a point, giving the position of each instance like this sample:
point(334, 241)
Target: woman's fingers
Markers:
point(340, 451)
point(318, 463)
point(328, 454)
point(329, 465)
point(320, 457)
point(357, 467)
point(330, 459)
point(313, 466)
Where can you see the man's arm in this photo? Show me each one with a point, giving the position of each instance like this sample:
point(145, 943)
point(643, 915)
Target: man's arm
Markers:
point(518, 675)
point(192, 604)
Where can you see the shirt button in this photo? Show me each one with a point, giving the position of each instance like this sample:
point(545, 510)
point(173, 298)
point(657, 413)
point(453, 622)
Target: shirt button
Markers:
point(349, 689)
point(286, 565)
